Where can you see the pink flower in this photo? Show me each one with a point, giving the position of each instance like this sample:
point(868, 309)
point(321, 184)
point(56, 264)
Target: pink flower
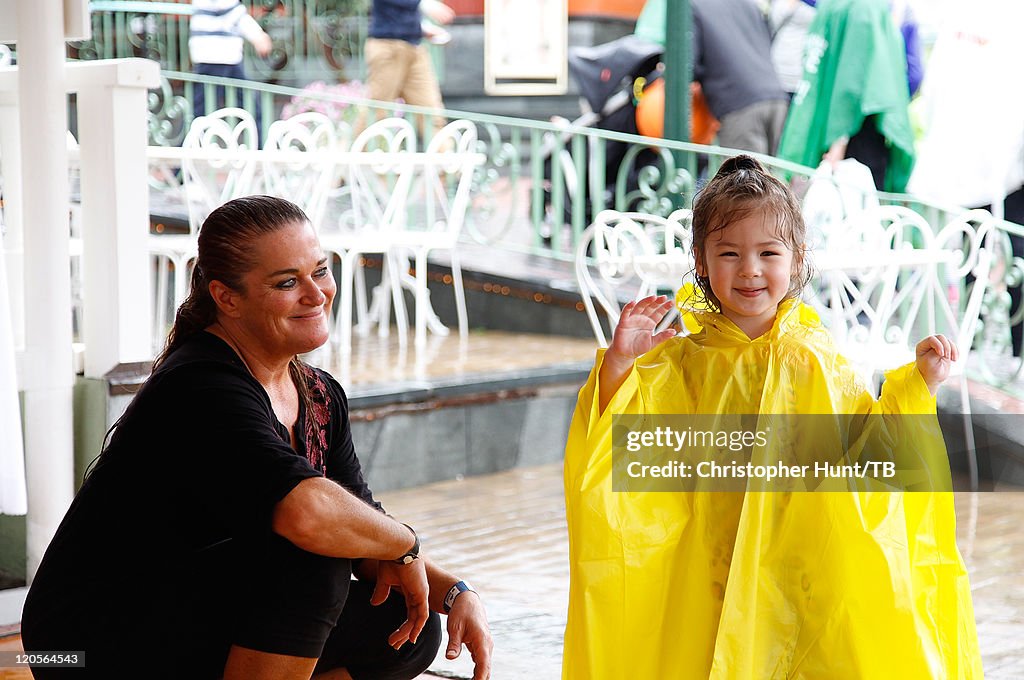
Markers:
point(332, 101)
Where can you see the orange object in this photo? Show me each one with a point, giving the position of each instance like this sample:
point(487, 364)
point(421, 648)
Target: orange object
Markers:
point(619, 9)
point(625, 9)
point(650, 113)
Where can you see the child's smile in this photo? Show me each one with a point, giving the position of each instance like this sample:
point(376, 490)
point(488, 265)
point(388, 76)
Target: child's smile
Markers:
point(750, 269)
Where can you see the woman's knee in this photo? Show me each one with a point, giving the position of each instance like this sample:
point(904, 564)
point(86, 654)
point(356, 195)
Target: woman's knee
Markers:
point(295, 599)
point(410, 660)
point(420, 655)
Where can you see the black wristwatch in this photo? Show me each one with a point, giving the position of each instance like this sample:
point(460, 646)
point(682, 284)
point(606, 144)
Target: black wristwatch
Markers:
point(414, 551)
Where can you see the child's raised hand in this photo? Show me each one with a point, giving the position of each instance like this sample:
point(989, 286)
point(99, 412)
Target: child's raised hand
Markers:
point(634, 335)
point(934, 356)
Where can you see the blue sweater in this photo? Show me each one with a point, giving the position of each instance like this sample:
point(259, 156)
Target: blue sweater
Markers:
point(396, 20)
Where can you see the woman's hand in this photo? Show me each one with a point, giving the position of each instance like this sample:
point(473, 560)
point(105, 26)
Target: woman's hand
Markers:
point(634, 335)
point(411, 580)
point(935, 354)
point(467, 625)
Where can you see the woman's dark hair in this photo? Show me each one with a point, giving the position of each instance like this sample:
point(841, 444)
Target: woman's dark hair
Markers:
point(226, 255)
point(740, 187)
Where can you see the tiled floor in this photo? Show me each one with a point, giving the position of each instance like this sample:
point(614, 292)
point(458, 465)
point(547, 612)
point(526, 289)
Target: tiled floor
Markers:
point(506, 534)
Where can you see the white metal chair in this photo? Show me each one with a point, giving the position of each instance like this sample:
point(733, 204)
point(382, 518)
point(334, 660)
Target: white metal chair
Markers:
point(447, 177)
point(338, 200)
point(852, 277)
point(633, 254)
point(304, 181)
point(208, 183)
point(906, 295)
point(378, 176)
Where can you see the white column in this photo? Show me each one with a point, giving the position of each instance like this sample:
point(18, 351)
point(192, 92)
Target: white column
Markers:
point(12, 455)
point(115, 209)
point(14, 242)
point(48, 377)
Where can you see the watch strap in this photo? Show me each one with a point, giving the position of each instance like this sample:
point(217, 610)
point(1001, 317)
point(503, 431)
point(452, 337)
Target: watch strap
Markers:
point(414, 552)
point(454, 592)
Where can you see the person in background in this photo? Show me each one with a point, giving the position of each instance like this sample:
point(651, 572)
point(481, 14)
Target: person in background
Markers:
point(972, 153)
point(397, 62)
point(732, 62)
point(790, 20)
point(853, 99)
point(217, 31)
point(219, 530)
point(903, 16)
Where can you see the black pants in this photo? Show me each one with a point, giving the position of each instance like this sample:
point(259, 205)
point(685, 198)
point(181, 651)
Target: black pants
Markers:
point(289, 601)
point(266, 595)
point(1013, 211)
point(869, 147)
point(200, 107)
point(359, 641)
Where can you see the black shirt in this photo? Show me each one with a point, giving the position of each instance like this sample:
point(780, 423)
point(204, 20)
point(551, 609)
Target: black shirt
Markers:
point(198, 460)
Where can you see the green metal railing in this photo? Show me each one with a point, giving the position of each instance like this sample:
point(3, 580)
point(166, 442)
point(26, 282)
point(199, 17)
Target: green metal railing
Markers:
point(995, 363)
point(312, 39)
point(563, 170)
point(542, 182)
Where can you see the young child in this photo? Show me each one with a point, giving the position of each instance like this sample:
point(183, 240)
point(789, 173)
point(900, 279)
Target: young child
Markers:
point(838, 585)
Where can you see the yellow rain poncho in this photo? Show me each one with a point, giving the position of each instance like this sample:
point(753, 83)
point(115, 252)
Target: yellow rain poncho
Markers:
point(766, 585)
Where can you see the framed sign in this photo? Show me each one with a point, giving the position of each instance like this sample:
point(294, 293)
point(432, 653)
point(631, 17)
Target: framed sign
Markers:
point(76, 19)
point(525, 45)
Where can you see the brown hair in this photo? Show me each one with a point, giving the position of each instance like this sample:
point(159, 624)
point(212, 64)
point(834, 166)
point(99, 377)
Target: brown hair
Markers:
point(740, 187)
point(226, 255)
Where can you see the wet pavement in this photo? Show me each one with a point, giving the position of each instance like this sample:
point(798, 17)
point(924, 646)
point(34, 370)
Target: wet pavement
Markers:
point(505, 533)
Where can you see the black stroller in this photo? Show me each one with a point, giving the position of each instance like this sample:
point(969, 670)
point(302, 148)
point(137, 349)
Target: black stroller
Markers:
point(606, 76)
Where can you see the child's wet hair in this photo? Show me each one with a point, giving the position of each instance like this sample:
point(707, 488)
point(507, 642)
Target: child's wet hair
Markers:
point(741, 186)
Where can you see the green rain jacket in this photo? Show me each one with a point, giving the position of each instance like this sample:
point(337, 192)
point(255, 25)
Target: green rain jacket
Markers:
point(854, 67)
